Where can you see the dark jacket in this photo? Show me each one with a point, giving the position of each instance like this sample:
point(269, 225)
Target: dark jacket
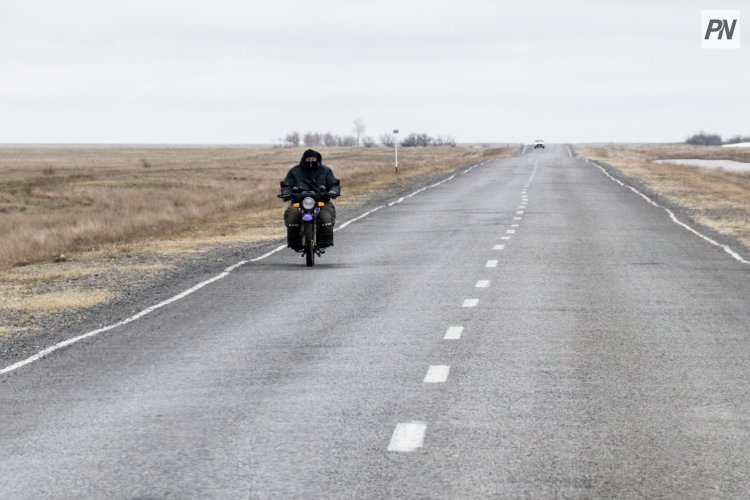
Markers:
point(309, 178)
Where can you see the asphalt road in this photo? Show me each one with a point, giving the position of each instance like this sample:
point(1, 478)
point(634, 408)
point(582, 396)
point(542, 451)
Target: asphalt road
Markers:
point(606, 354)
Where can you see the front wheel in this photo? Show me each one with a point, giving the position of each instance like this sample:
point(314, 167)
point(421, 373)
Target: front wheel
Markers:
point(309, 245)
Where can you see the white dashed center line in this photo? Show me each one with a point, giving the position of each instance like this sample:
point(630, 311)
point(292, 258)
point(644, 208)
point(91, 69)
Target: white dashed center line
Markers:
point(491, 263)
point(499, 247)
point(519, 212)
point(505, 238)
point(453, 333)
point(517, 218)
point(407, 437)
point(437, 374)
point(471, 302)
point(511, 231)
point(482, 284)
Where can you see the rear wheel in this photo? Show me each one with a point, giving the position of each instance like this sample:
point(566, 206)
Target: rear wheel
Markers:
point(309, 246)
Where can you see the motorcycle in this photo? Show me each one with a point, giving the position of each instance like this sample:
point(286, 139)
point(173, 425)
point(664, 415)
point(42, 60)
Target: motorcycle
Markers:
point(309, 204)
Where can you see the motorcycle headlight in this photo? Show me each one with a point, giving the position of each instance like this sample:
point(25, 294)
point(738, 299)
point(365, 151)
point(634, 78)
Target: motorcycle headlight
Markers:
point(308, 203)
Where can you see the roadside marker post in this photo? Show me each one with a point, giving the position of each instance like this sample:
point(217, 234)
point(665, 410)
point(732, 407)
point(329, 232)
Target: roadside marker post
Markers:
point(395, 146)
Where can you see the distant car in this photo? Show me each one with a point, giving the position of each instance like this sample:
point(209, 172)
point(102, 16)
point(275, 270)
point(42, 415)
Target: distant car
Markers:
point(538, 144)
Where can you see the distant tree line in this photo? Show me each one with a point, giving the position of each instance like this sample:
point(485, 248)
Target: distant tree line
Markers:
point(736, 139)
point(312, 139)
point(704, 139)
point(423, 140)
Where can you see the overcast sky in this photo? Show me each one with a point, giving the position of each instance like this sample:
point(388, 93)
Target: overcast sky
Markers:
point(248, 71)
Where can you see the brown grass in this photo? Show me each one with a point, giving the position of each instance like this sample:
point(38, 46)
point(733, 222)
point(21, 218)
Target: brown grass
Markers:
point(73, 217)
point(716, 198)
point(59, 200)
point(56, 301)
point(679, 150)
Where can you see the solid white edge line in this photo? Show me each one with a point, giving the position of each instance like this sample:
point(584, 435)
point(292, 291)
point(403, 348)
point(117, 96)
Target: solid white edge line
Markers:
point(49, 350)
point(342, 226)
point(265, 255)
point(437, 374)
point(674, 218)
point(407, 437)
point(45, 352)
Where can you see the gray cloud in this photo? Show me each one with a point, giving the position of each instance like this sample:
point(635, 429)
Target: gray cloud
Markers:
point(234, 71)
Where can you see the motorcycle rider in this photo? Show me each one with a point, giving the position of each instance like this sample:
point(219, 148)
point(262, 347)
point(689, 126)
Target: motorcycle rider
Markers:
point(310, 175)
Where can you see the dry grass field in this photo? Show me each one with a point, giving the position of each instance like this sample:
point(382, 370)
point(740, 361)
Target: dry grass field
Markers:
point(715, 198)
point(72, 218)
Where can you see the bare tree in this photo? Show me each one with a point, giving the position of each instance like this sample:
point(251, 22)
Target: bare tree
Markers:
point(417, 140)
point(329, 139)
point(424, 140)
point(368, 141)
point(388, 140)
point(312, 139)
point(737, 139)
point(410, 141)
point(292, 138)
point(347, 141)
point(444, 141)
point(358, 129)
point(704, 139)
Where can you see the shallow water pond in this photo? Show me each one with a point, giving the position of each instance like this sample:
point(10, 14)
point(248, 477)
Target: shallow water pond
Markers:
point(735, 166)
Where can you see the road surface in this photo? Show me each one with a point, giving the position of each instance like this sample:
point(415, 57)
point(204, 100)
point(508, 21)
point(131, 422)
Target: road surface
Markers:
point(529, 328)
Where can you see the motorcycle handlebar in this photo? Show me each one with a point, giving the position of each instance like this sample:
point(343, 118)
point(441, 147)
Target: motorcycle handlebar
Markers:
point(298, 194)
